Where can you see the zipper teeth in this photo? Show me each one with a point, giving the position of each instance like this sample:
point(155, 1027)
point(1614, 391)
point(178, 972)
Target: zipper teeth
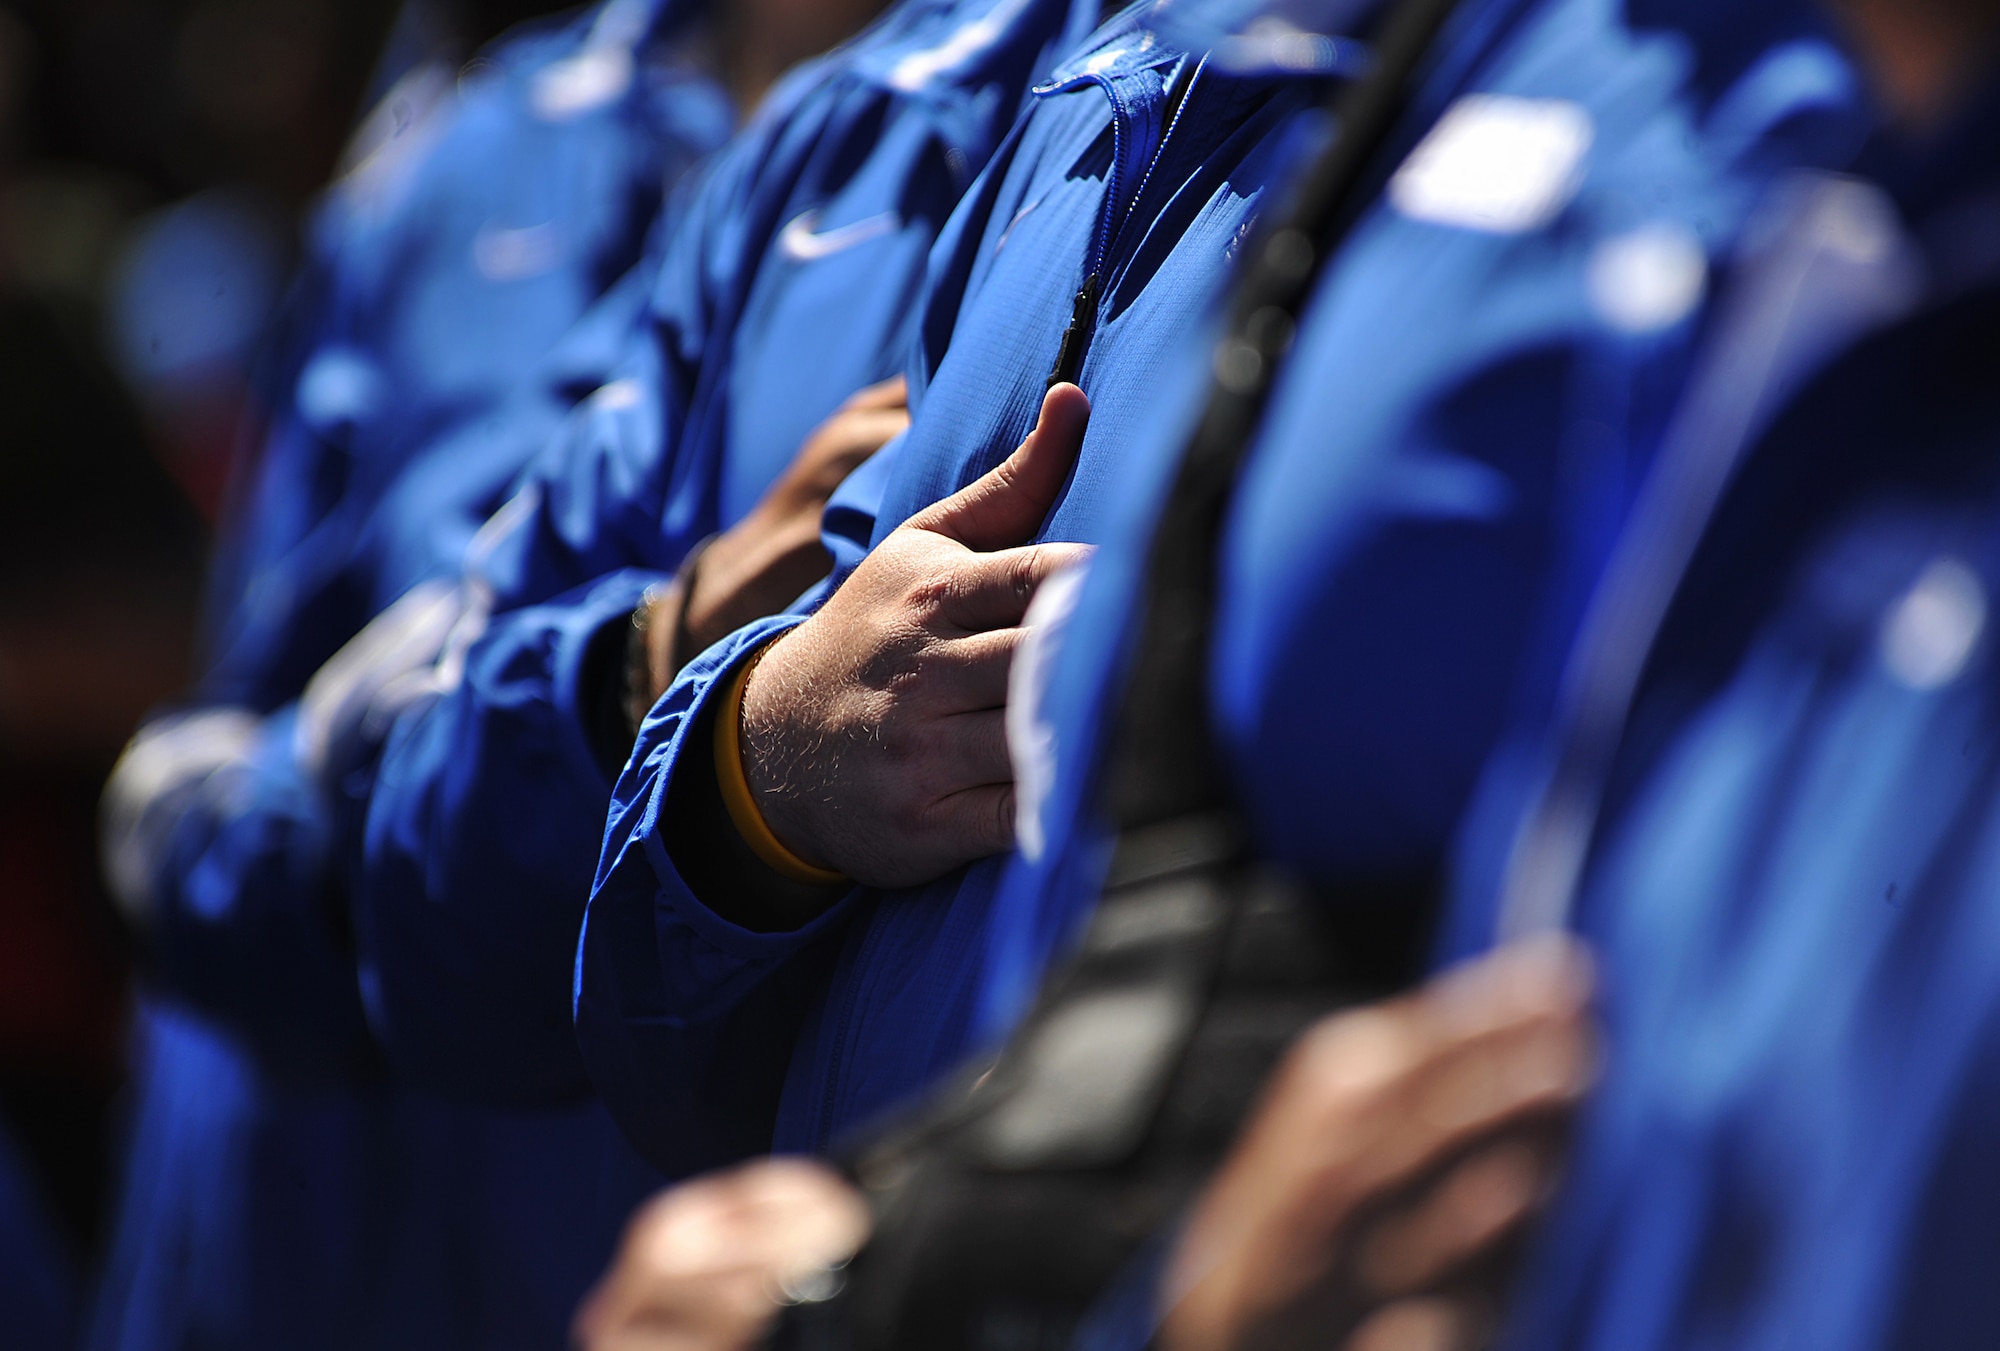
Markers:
point(1113, 218)
point(1167, 136)
point(1100, 244)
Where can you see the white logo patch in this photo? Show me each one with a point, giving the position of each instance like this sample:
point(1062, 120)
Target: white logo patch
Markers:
point(340, 386)
point(914, 71)
point(1649, 279)
point(801, 242)
point(503, 254)
point(1495, 163)
point(1929, 635)
point(574, 86)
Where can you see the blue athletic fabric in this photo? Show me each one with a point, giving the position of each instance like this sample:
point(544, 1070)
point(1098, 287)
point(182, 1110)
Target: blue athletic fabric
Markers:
point(277, 1191)
point(790, 279)
point(679, 1012)
point(1452, 446)
point(1456, 441)
point(1790, 884)
point(1786, 886)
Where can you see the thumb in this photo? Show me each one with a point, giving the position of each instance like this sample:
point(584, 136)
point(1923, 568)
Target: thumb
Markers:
point(1007, 506)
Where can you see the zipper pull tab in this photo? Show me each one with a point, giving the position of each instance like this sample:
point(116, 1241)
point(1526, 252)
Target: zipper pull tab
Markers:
point(1076, 338)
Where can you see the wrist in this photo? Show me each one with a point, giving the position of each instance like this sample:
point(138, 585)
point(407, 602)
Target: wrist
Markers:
point(671, 643)
point(744, 800)
point(652, 624)
point(752, 571)
point(712, 857)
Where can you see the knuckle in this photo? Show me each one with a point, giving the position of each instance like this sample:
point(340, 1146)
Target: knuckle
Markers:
point(910, 815)
point(1330, 1188)
point(927, 598)
point(905, 680)
point(1025, 573)
point(1006, 476)
point(895, 663)
point(1003, 815)
point(928, 790)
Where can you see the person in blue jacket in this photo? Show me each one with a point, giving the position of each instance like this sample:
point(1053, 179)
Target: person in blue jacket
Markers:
point(1786, 861)
point(1483, 372)
point(1779, 884)
point(1792, 837)
point(277, 1189)
point(1110, 210)
point(788, 282)
point(1761, 785)
point(374, 380)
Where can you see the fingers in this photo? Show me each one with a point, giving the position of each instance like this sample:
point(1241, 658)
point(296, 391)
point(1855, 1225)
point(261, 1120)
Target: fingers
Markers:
point(974, 752)
point(994, 590)
point(1433, 1323)
point(1459, 1218)
point(969, 675)
point(891, 393)
point(1406, 1086)
point(1008, 505)
point(1399, 1147)
point(977, 821)
point(857, 429)
point(810, 1215)
point(836, 448)
point(1547, 974)
point(705, 1264)
point(854, 436)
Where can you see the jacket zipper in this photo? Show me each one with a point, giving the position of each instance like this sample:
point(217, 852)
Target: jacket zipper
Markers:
point(1111, 223)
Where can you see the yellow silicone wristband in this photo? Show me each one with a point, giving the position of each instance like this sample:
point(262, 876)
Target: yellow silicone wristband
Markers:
point(741, 803)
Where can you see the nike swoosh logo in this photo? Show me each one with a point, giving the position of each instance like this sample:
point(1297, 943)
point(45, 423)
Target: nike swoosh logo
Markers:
point(1019, 216)
point(800, 242)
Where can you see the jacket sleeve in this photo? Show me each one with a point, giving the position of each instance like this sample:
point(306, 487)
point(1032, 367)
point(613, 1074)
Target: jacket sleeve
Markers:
point(685, 1027)
point(480, 832)
point(683, 1023)
point(216, 845)
point(481, 801)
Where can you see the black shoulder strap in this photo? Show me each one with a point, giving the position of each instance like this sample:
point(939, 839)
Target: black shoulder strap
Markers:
point(1162, 766)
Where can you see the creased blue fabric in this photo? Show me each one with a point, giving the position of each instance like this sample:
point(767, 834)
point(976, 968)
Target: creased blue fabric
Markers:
point(1789, 885)
point(790, 278)
point(278, 1190)
point(1097, 175)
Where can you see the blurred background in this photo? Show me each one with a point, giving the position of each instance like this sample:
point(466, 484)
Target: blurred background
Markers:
point(157, 159)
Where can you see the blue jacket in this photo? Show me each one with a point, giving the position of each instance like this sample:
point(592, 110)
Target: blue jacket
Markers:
point(471, 229)
point(1449, 459)
point(1790, 884)
point(1787, 883)
point(790, 280)
point(467, 239)
point(684, 1018)
point(446, 265)
point(1479, 384)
